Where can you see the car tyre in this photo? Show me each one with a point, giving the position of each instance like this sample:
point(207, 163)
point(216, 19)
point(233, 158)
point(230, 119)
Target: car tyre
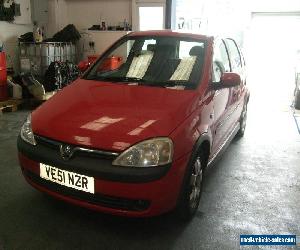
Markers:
point(243, 122)
point(297, 100)
point(192, 189)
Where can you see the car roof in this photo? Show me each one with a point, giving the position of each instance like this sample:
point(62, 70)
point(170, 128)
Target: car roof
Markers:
point(171, 33)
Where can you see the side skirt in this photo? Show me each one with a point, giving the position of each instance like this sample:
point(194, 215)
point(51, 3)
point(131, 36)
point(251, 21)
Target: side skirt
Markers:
point(223, 147)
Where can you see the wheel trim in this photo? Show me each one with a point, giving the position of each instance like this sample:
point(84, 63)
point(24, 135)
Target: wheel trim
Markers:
point(195, 184)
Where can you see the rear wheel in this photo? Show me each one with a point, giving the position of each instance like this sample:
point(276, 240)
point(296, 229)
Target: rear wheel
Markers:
point(192, 190)
point(243, 122)
point(297, 100)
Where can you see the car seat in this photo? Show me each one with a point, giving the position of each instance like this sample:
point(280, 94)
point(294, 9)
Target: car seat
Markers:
point(189, 67)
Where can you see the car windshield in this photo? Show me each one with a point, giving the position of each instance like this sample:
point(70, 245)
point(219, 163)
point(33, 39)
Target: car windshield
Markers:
point(169, 62)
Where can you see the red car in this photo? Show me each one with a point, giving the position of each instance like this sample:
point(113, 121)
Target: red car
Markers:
point(134, 135)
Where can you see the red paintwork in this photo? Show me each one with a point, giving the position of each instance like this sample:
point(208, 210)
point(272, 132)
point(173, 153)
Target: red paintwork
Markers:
point(109, 116)
point(161, 202)
point(169, 33)
point(3, 70)
point(112, 117)
point(3, 77)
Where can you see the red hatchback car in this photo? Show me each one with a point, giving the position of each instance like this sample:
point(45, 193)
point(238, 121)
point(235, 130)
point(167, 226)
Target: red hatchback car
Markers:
point(134, 135)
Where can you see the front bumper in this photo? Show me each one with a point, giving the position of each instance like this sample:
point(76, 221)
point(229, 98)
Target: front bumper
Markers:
point(133, 193)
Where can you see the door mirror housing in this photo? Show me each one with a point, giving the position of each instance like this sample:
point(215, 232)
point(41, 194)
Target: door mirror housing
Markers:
point(229, 79)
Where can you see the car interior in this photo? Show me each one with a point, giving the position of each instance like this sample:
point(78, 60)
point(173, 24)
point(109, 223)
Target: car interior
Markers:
point(160, 62)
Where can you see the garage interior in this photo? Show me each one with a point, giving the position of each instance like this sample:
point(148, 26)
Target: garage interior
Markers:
point(254, 188)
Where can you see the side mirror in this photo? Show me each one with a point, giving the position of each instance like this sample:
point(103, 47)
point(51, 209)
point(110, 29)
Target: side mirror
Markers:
point(229, 79)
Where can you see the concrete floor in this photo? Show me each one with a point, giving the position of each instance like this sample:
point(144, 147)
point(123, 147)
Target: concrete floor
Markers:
point(253, 189)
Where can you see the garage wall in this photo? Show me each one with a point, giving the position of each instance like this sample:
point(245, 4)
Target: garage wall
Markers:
point(85, 13)
point(57, 16)
point(271, 5)
point(9, 34)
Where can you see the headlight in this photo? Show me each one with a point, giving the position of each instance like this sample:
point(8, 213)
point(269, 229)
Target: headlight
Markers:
point(26, 132)
point(149, 153)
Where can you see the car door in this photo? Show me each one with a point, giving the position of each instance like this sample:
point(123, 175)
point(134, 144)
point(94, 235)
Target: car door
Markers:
point(237, 92)
point(222, 96)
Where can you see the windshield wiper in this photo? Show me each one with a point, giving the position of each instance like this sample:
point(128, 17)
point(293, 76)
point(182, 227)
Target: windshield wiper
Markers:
point(123, 79)
point(115, 78)
point(91, 78)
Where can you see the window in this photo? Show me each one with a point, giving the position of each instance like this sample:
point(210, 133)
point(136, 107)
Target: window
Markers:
point(220, 62)
point(235, 56)
point(123, 50)
point(185, 48)
point(151, 17)
point(147, 42)
point(172, 62)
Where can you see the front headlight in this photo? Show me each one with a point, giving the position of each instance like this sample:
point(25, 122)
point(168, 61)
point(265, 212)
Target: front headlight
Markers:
point(26, 132)
point(149, 153)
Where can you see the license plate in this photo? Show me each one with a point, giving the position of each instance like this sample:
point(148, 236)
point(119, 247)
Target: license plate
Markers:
point(66, 178)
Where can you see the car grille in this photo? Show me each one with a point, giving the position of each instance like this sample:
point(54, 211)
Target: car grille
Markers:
point(96, 199)
point(88, 162)
point(78, 151)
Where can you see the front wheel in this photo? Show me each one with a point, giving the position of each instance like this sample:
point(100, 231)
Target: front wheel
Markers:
point(192, 190)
